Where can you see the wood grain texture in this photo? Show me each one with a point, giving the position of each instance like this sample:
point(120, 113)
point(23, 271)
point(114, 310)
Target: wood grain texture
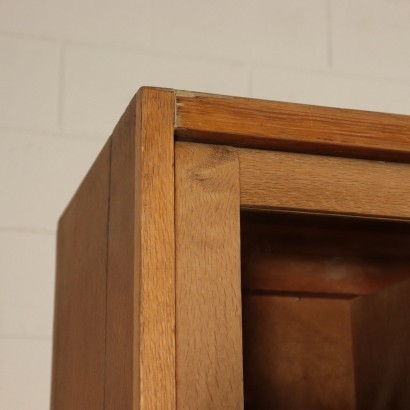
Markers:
point(381, 343)
point(140, 354)
point(297, 353)
point(208, 321)
point(215, 119)
point(80, 294)
point(328, 255)
point(314, 183)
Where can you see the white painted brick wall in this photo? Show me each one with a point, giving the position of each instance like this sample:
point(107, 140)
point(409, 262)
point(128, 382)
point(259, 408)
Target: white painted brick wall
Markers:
point(25, 365)
point(68, 68)
point(27, 284)
point(113, 22)
point(29, 83)
point(371, 37)
point(38, 176)
point(291, 32)
point(100, 81)
point(331, 89)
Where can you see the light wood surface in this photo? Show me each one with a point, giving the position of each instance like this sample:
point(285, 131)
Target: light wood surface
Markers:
point(297, 353)
point(156, 239)
point(216, 119)
point(381, 342)
point(140, 370)
point(208, 312)
point(80, 294)
point(319, 184)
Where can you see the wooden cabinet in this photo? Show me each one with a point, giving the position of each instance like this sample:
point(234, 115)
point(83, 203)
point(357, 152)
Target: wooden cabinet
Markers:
point(226, 252)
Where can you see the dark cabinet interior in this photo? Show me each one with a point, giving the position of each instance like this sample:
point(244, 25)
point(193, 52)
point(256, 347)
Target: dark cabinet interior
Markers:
point(301, 277)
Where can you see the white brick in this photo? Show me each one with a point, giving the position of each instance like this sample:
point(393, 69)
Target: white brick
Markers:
point(29, 83)
point(121, 21)
point(27, 284)
point(38, 176)
point(100, 82)
point(25, 368)
point(292, 32)
point(372, 37)
point(331, 90)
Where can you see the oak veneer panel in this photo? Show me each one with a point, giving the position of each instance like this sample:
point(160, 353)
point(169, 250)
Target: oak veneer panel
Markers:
point(140, 370)
point(297, 353)
point(80, 294)
point(322, 254)
point(156, 239)
point(117, 303)
point(314, 183)
point(381, 343)
point(208, 298)
point(294, 127)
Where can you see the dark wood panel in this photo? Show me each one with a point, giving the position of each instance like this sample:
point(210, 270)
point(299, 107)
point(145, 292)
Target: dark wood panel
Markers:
point(122, 353)
point(297, 353)
point(381, 344)
point(80, 296)
point(322, 254)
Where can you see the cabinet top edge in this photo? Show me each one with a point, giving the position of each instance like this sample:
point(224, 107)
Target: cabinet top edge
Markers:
point(265, 124)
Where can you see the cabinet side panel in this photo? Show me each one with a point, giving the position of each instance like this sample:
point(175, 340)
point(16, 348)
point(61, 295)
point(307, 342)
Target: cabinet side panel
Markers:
point(208, 298)
point(122, 325)
point(80, 296)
